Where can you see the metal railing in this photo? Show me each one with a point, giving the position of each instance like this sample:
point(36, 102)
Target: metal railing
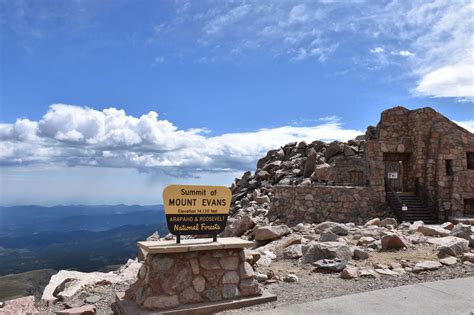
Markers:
point(394, 201)
point(423, 194)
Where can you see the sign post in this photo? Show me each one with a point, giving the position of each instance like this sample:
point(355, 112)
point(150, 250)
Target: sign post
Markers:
point(196, 210)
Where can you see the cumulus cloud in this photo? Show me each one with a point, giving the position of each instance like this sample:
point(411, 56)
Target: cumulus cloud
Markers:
point(449, 81)
point(466, 124)
point(82, 136)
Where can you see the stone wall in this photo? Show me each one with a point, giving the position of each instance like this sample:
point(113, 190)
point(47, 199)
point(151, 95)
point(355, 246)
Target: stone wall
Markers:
point(295, 204)
point(169, 280)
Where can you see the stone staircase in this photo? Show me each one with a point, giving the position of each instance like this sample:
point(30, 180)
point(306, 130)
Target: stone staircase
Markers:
point(417, 209)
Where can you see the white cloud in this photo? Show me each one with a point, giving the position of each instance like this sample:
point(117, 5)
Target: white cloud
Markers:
point(449, 81)
point(81, 136)
point(402, 53)
point(432, 37)
point(466, 124)
point(377, 50)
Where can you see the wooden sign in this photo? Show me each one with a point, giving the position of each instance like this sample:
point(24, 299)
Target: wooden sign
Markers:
point(194, 210)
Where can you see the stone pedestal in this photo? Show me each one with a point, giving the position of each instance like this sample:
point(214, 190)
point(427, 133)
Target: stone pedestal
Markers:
point(194, 272)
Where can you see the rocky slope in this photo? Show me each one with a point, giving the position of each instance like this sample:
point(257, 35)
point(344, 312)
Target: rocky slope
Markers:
point(293, 164)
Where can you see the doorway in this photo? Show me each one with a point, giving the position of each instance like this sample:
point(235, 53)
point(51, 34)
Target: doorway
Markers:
point(396, 170)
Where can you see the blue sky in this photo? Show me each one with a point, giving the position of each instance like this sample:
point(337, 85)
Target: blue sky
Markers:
point(98, 106)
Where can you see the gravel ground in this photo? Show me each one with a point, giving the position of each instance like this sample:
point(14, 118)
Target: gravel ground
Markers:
point(314, 285)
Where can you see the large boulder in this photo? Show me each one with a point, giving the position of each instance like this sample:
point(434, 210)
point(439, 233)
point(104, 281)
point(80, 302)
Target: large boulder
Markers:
point(452, 246)
point(322, 172)
point(463, 231)
point(314, 251)
point(374, 221)
point(393, 241)
point(310, 163)
point(238, 226)
point(22, 305)
point(328, 236)
point(66, 283)
point(268, 233)
point(333, 149)
point(293, 251)
point(433, 230)
point(324, 226)
point(389, 222)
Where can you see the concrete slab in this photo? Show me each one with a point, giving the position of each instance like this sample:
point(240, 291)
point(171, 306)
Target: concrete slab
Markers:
point(441, 297)
point(127, 307)
point(199, 244)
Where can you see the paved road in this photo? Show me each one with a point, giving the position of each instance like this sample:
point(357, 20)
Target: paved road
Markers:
point(440, 297)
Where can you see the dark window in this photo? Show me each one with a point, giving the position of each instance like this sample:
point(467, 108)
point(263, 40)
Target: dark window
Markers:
point(469, 206)
point(449, 167)
point(357, 178)
point(470, 160)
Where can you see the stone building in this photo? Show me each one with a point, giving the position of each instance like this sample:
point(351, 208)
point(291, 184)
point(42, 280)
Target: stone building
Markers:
point(417, 162)
point(422, 153)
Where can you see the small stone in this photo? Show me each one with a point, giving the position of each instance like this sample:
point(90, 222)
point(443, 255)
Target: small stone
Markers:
point(370, 273)
point(199, 283)
point(154, 237)
point(386, 272)
point(447, 226)
point(249, 287)
point(360, 254)
point(229, 263)
point(251, 256)
point(350, 273)
point(365, 240)
point(246, 270)
point(335, 265)
point(395, 265)
point(230, 291)
point(261, 277)
point(291, 277)
point(468, 257)
point(449, 261)
point(2, 304)
point(92, 299)
point(426, 265)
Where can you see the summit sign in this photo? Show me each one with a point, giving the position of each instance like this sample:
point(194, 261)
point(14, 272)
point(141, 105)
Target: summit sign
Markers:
point(196, 210)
